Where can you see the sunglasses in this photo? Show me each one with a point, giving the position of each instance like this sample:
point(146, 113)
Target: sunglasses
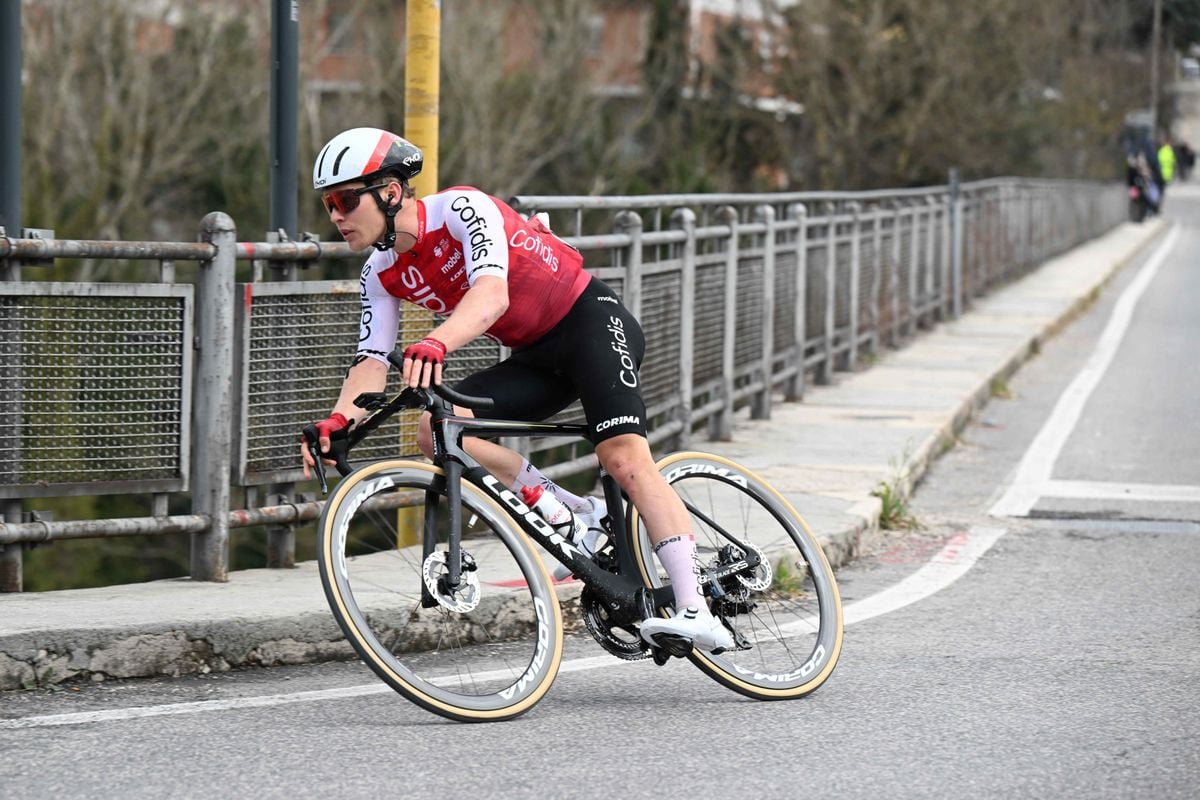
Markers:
point(346, 200)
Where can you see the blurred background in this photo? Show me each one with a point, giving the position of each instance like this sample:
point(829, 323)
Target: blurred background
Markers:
point(140, 116)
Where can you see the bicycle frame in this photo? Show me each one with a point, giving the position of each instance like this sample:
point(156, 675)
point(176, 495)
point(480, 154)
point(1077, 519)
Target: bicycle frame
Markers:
point(622, 590)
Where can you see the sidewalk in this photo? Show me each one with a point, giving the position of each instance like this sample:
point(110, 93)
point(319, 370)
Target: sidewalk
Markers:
point(825, 454)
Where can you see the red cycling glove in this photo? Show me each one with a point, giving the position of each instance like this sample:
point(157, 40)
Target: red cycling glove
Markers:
point(336, 422)
point(427, 351)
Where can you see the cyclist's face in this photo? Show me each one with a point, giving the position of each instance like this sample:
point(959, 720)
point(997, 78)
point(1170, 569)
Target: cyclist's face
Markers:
point(355, 213)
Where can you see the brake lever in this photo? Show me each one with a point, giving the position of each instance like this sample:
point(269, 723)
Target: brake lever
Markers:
point(310, 438)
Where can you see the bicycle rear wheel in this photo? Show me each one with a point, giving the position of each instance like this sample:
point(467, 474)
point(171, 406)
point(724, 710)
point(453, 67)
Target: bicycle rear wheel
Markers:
point(486, 651)
point(786, 613)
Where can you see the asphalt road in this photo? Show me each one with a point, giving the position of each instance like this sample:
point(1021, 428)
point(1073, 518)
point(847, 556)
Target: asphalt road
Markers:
point(1064, 663)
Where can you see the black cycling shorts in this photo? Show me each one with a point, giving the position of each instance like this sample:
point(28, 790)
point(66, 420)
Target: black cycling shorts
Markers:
point(593, 354)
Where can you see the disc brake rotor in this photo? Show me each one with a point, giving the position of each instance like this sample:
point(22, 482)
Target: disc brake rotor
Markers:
point(463, 599)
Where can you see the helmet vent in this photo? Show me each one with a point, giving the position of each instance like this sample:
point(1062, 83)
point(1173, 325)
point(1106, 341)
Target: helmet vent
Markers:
point(337, 162)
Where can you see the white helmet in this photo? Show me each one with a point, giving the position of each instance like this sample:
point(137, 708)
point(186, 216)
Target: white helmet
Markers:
point(362, 153)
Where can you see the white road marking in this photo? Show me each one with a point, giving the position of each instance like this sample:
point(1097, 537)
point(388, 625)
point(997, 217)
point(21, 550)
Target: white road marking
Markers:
point(958, 556)
point(1096, 490)
point(950, 564)
point(1038, 462)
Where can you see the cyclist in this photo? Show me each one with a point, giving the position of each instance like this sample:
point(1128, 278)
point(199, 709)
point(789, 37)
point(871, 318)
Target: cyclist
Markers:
point(485, 269)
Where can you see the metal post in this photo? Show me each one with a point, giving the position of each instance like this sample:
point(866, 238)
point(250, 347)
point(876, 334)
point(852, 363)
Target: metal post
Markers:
point(794, 389)
point(10, 117)
point(894, 284)
point(855, 278)
point(285, 109)
point(761, 407)
point(11, 555)
point(212, 402)
point(1155, 36)
point(877, 280)
point(825, 373)
point(956, 245)
point(685, 219)
point(630, 224)
point(422, 86)
point(281, 539)
point(722, 429)
point(932, 250)
point(914, 272)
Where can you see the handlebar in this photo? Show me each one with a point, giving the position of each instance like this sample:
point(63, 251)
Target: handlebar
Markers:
point(382, 409)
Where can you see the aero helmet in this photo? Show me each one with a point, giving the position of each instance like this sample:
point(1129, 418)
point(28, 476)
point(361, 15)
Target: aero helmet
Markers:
point(363, 154)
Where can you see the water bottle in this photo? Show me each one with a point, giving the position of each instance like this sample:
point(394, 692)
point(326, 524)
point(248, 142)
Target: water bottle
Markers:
point(551, 509)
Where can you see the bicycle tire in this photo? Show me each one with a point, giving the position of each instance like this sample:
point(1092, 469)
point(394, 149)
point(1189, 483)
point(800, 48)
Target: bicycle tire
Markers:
point(793, 623)
point(490, 661)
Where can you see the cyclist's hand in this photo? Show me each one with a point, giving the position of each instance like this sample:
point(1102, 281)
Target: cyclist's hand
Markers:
point(325, 427)
point(423, 362)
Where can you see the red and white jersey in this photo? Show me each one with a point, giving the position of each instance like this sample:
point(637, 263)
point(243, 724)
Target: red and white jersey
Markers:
point(463, 234)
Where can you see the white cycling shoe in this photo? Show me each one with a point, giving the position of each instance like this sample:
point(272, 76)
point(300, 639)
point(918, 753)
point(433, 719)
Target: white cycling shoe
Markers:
point(591, 539)
point(703, 630)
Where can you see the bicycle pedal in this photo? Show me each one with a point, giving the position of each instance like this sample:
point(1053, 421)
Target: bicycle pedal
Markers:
point(676, 646)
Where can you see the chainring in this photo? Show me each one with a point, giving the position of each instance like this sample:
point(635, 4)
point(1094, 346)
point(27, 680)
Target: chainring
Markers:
point(605, 631)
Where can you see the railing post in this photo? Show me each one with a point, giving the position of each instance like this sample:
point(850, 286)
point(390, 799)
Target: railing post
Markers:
point(956, 245)
point(825, 373)
point(932, 251)
point(630, 223)
point(212, 402)
point(894, 283)
point(877, 280)
point(722, 427)
point(794, 388)
point(855, 278)
point(685, 219)
point(281, 538)
point(12, 555)
point(761, 408)
point(914, 272)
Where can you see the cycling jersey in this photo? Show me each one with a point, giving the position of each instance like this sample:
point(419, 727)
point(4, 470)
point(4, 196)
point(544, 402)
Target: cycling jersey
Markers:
point(594, 355)
point(463, 234)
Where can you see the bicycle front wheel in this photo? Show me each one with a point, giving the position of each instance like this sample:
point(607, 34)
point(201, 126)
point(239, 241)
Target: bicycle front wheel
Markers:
point(488, 648)
point(786, 614)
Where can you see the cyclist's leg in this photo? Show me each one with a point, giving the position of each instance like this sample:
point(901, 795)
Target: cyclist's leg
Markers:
point(603, 355)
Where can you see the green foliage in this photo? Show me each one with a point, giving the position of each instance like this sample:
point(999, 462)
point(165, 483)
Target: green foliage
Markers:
point(894, 514)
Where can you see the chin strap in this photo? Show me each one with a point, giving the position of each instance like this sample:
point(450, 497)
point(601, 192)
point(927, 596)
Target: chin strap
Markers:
point(389, 221)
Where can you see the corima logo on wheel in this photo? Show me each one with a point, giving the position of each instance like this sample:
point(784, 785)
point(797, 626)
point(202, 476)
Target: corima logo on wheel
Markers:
point(364, 493)
point(707, 469)
point(805, 670)
point(539, 655)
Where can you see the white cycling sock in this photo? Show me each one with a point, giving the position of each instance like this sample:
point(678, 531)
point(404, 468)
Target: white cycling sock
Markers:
point(678, 557)
point(529, 475)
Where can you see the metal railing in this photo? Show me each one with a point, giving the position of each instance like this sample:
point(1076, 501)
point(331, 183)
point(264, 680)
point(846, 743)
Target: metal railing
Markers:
point(741, 296)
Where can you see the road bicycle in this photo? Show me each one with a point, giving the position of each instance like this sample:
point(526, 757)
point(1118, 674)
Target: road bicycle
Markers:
point(465, 621)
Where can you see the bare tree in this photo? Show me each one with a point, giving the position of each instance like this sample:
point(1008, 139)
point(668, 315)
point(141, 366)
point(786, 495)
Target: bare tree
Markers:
point(134, 112)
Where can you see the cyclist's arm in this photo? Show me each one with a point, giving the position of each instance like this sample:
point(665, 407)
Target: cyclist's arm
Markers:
point(483, 304)
point(367, 375)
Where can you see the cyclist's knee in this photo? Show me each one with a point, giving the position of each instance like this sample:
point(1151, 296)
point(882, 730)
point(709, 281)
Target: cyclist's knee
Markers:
point(425, 436)
point(625, 457)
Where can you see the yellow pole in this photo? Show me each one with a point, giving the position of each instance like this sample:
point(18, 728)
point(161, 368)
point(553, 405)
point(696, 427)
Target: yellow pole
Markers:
point(422, 87)
point(423, 26)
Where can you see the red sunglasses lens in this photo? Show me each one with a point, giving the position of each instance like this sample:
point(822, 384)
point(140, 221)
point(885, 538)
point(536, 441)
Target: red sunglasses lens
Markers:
point(344, 200)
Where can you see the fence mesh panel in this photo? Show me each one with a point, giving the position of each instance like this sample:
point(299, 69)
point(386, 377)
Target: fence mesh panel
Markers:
point(93, 386)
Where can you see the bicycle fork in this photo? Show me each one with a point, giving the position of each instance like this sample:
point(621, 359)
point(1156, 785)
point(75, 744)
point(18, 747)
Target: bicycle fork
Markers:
point(452, 580)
